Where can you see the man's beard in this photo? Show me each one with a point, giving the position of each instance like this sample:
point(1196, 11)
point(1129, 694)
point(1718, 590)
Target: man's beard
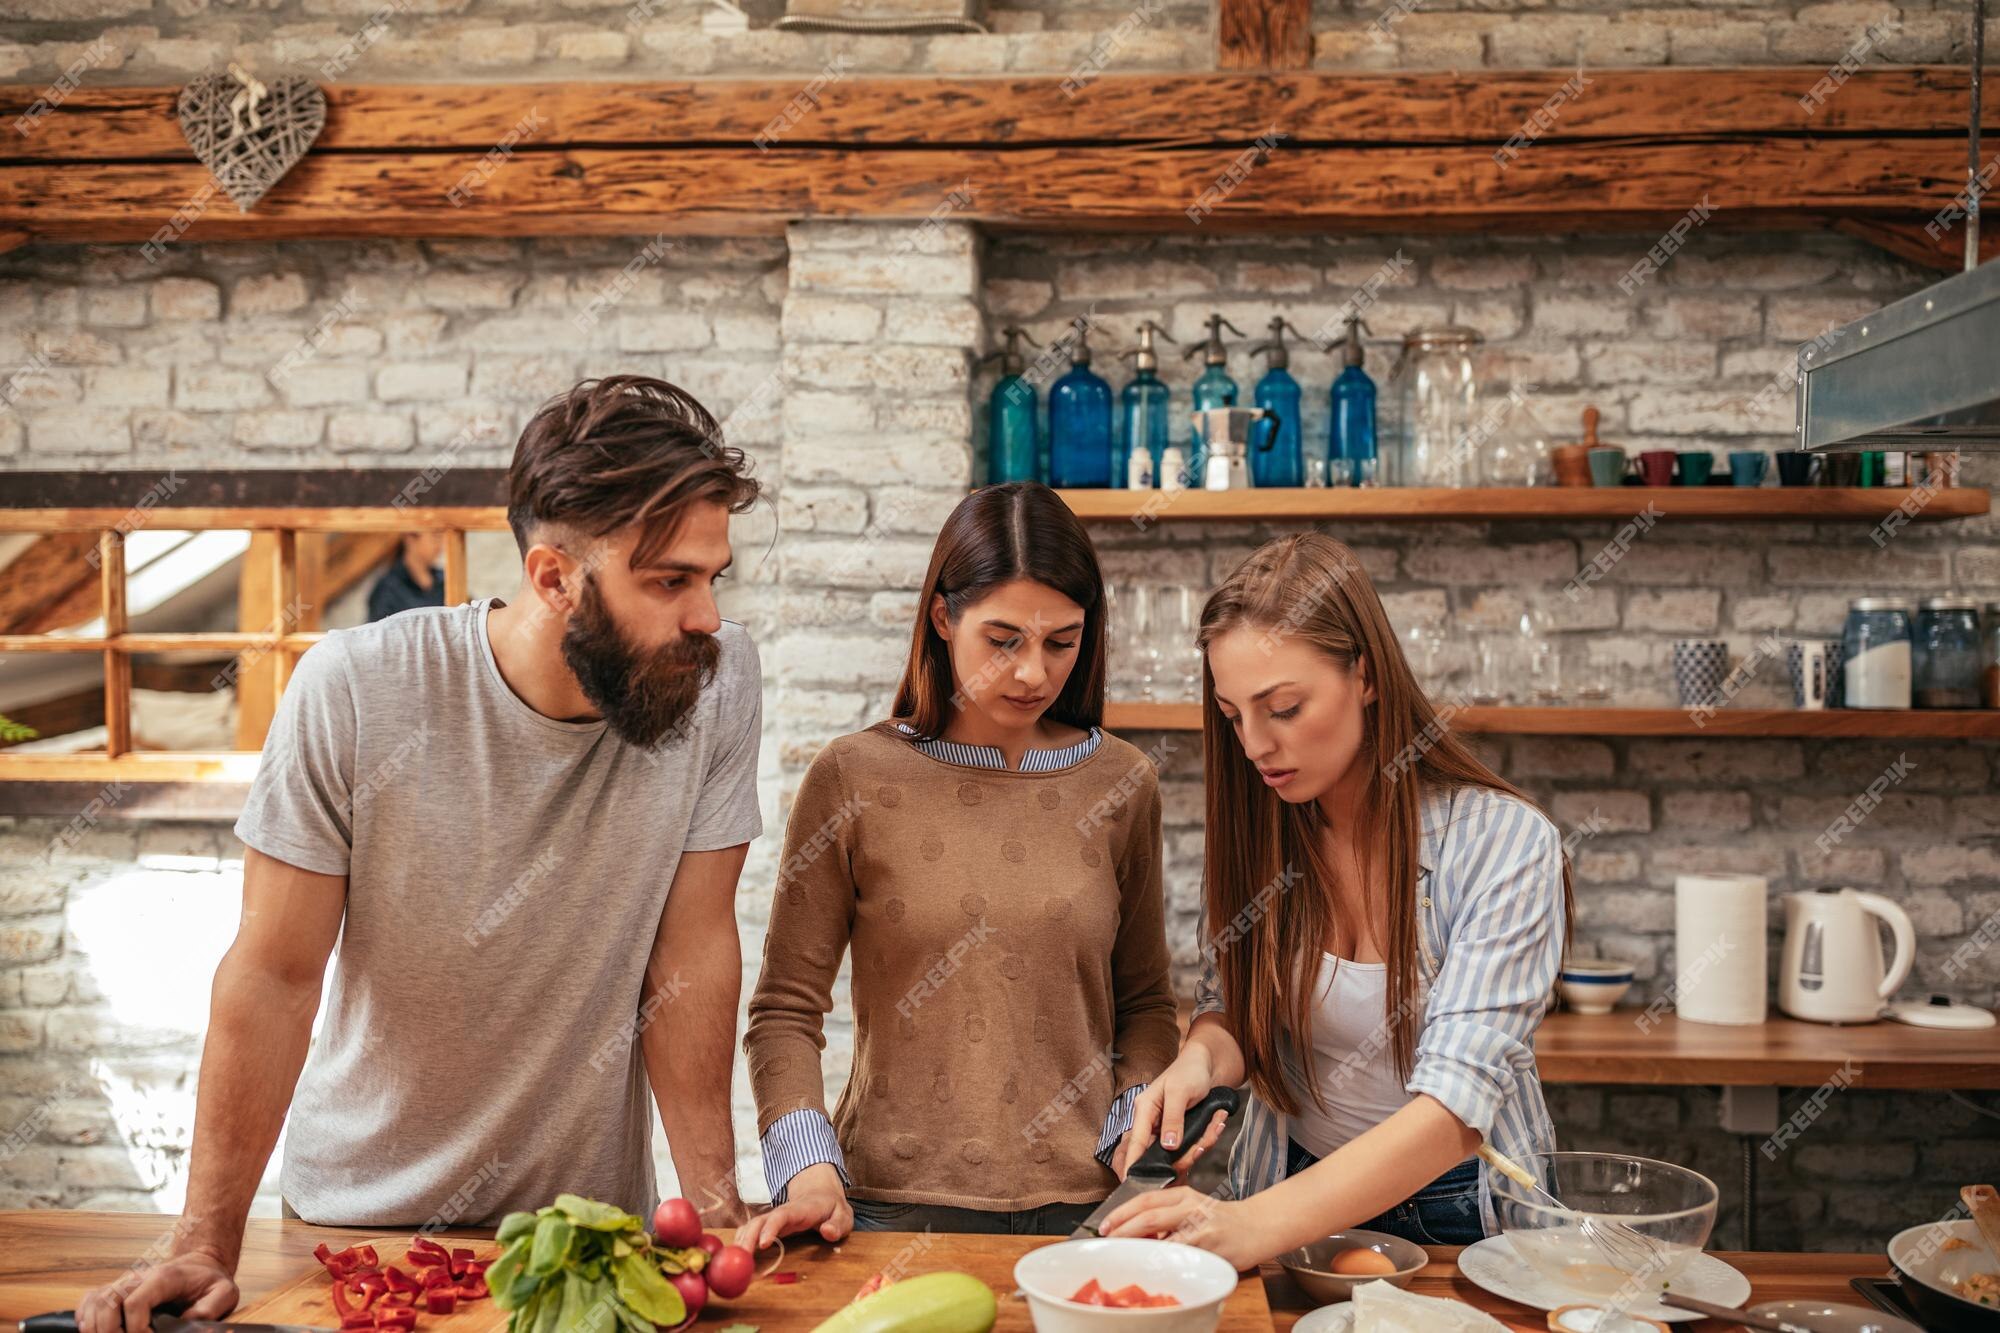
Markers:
point(645, 695)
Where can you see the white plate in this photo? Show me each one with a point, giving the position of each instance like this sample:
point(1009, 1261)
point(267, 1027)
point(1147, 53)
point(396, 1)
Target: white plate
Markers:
point(1493, 1265)
point(1327, 1319)
point(1836, 1318)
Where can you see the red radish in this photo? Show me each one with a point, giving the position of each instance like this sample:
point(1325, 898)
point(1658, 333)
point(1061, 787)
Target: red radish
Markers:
point(710, 1244)
point(693, 1289)
point(676, 1224)
point(729, 1271)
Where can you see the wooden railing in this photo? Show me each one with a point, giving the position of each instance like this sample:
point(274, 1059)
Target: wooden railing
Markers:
point(266, 648)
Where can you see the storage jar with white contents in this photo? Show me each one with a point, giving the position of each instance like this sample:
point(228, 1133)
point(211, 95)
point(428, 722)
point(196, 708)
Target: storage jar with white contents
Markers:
point(1876, 650)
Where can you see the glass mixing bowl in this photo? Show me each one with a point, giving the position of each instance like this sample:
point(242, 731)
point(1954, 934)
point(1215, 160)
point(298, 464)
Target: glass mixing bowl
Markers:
point(1628, 1228)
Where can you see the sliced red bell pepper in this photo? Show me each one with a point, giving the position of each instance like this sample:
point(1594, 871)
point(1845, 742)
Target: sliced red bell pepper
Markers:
point(441, 1300)
point(365, 1255)
point(436, 1277)
point(459, 1259)
point(395, 1280)
point(472, 1287)
point(402, 1317)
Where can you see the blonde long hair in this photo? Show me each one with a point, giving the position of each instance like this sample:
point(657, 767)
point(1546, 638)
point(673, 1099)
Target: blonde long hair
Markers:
point(1265, 938)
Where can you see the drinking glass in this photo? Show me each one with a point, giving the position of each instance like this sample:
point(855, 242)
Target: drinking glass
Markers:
point(1177, 617)
point(1129, 635)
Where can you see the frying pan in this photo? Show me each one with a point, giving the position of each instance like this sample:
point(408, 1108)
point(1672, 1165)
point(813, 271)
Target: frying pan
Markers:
point(1926, 1272)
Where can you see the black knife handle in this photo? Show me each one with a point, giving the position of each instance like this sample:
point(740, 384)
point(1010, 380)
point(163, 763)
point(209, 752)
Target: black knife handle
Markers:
point(1156, 1160)
point(61, 1321)
point(64, 1321)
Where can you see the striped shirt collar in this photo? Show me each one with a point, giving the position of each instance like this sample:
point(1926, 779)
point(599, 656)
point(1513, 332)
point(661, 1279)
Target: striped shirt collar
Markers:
point(1036, 759)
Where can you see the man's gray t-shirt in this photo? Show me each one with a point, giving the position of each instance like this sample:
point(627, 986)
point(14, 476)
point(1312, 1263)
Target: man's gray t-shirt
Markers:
point(505, 878)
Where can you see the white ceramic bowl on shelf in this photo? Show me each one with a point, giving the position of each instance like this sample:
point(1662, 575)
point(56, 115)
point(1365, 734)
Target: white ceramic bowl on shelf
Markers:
point(1593, 985)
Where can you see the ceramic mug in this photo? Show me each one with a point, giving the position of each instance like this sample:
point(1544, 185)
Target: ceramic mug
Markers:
point(1572, 464)
point(1700, 666)
point(1607, 466)
point(1841, 470)
point(1815, 666)
point(1656, 467)
point(1796, 467)
point(1746, 467)
point(1697, 465)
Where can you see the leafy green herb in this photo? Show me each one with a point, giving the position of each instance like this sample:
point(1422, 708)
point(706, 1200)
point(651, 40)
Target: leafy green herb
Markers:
point(580, 1266)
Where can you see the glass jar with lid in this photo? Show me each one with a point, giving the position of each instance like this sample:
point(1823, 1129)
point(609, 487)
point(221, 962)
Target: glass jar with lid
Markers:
point(1436, 393)
point(1944, 667)
point(1875, 653)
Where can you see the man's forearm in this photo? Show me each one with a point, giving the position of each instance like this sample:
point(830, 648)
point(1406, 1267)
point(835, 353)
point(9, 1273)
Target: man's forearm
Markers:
point(690, 1055)
point(260, 1025)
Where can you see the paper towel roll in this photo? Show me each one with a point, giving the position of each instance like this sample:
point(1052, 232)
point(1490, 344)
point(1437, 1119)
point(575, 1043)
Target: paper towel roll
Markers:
point(1721, 973)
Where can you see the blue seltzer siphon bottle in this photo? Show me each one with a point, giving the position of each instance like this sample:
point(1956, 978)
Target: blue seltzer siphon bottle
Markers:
point(1144, 409)
point(1011, 415)
point(1281, 460)
point(1213, 387)
point(1080, 419)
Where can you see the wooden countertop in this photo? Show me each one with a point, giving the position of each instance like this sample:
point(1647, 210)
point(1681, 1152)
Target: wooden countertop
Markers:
point(47, 1258)
point(1781, 1052)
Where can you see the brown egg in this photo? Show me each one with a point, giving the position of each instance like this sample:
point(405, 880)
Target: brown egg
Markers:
point(1362, 1263)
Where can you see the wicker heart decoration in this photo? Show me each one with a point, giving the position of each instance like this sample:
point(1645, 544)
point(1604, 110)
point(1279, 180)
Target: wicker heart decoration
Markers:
point(248, 133)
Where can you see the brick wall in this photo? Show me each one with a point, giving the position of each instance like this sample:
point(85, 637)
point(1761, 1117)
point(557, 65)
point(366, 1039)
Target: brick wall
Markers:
point(158, 41)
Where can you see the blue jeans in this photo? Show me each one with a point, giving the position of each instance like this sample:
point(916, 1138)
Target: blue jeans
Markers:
point(1444, 1212)
point(1055, 1219)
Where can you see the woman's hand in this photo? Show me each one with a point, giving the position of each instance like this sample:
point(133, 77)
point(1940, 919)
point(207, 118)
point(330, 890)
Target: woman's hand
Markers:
point(1160, 1110)
point(814, 1199)
point(1228, 1227)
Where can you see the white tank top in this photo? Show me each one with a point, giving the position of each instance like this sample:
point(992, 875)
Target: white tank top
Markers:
point(1352, 1057)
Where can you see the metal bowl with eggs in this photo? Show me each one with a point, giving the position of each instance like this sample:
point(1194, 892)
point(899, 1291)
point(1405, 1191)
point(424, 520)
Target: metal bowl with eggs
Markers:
point(1331, 1268)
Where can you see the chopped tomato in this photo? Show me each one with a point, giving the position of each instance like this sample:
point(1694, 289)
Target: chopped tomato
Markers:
point(1129, 1297)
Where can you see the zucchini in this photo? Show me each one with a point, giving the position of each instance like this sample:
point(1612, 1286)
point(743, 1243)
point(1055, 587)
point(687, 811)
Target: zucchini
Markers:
point(933, 1303)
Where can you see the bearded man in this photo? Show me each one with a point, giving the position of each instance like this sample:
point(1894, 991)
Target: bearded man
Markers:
point(522, 822)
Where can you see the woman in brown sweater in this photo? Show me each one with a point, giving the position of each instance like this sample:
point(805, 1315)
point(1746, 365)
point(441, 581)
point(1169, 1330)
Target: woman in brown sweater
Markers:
point(992, 860)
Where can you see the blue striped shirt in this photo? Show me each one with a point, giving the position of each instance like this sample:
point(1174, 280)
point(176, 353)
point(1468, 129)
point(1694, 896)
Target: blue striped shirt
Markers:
point(1490, 905)
point(805, 1137)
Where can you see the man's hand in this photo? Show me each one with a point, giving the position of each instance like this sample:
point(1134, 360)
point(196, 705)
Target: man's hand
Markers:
point(196, 1278)
point(814, 1199)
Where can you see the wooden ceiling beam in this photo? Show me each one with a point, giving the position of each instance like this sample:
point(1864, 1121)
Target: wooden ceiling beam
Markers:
point(874, 111)
point(1551, 187)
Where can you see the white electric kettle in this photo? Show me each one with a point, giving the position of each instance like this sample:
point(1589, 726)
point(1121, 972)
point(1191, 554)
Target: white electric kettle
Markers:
point(1832, 970)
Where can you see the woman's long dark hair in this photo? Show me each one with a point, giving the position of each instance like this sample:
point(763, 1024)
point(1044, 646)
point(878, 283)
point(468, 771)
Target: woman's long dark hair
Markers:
point(1020, 530)
point(1267, 941)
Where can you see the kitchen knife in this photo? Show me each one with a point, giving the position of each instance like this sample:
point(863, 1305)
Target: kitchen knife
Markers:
point(64, 1321)
point(1155, 1168)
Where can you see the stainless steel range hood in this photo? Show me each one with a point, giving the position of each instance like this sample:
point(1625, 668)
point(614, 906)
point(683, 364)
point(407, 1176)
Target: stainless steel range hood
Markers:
point(1921, 374)
point(1924, 373)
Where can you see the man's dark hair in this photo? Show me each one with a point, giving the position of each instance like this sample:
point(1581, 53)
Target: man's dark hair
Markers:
point(619, 450)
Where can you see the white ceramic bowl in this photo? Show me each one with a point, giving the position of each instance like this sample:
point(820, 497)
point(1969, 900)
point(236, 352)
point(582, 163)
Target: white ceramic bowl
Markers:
point(1050, 1275)
point(1593, 985)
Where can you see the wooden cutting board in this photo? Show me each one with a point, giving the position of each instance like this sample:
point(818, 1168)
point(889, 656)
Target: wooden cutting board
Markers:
point(308, 1298)
point(829, 1275)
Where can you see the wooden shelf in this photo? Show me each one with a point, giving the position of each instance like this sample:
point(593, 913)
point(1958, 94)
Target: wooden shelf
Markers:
point(1715, 503)
point(1781, 1053)
point(1832, 723)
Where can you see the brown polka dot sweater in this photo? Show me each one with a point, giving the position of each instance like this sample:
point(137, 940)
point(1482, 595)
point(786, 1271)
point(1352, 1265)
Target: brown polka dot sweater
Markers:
point(1010, 972)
